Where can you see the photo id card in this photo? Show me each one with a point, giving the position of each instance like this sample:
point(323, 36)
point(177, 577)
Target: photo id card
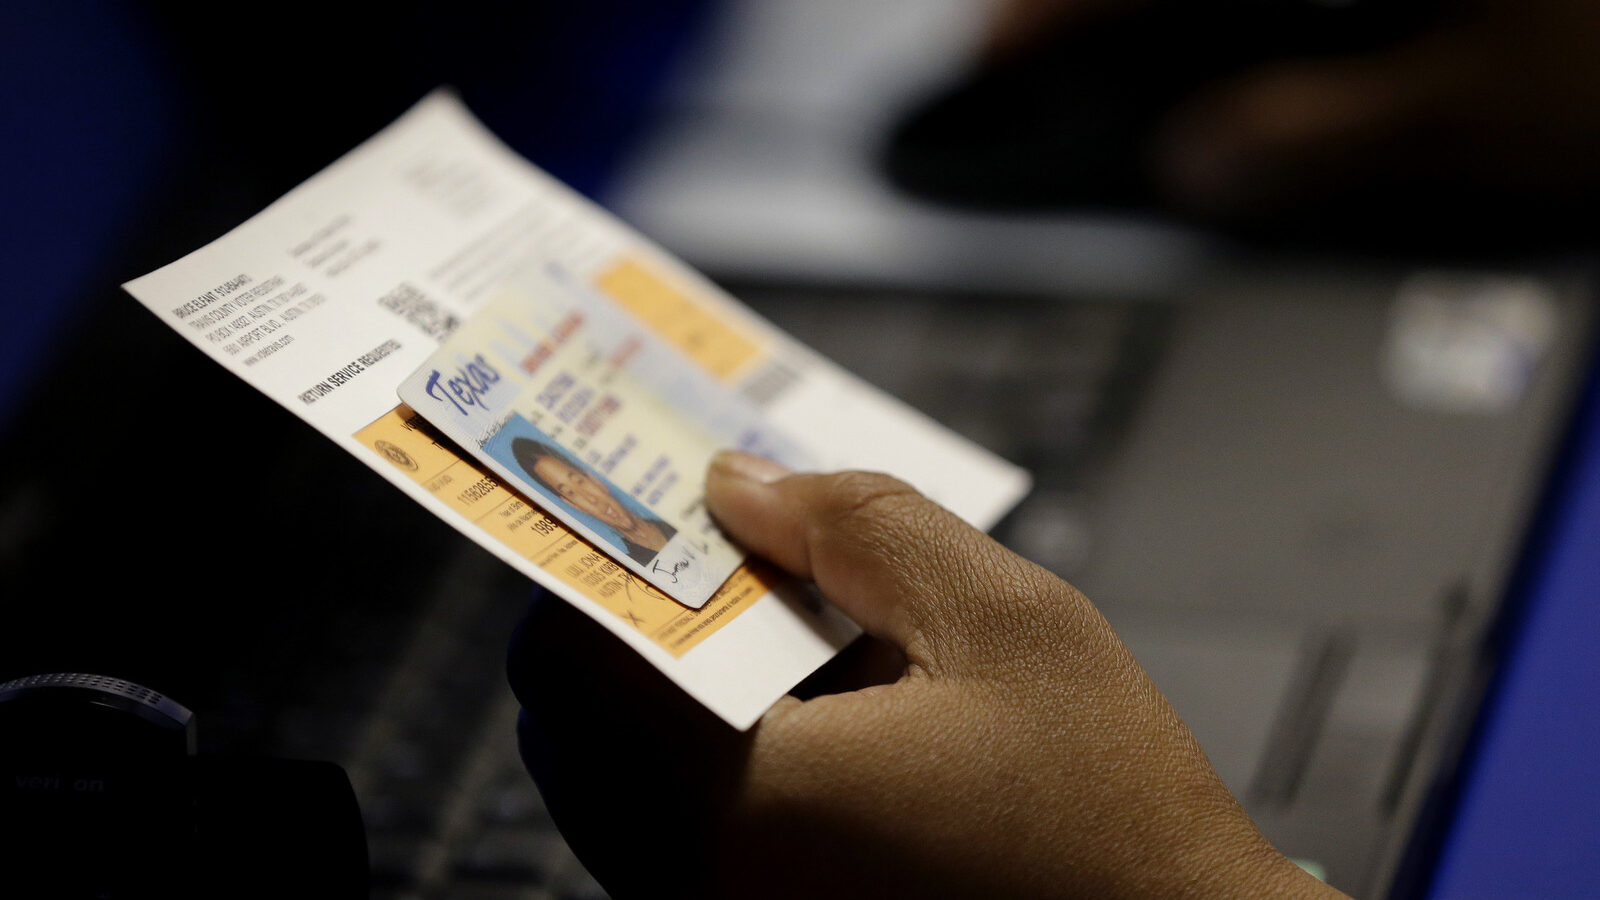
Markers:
point(578, 404)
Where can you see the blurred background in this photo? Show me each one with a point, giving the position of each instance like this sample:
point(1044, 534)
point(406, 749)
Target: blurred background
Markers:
point(1028, 220)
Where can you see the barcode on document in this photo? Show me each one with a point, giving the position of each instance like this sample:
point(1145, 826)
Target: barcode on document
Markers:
point(770, 383)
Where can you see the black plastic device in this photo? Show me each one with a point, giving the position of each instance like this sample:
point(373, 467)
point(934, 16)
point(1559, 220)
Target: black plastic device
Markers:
point(103, 796)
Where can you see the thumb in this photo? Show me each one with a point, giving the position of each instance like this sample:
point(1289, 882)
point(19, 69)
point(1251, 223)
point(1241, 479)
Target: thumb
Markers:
point(906, 569)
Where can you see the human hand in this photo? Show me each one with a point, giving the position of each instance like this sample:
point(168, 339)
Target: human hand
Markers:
point(1020, 752)
point(1492, 99)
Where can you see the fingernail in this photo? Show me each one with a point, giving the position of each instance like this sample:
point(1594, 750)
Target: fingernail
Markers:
point(748, 465)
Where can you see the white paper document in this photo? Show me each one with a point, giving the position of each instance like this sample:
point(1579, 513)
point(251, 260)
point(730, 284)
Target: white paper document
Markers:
point(433, 256)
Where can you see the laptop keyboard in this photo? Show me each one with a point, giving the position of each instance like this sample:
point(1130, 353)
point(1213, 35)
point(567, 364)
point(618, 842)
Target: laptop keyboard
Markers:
point(431, 750)
point(1047, 384)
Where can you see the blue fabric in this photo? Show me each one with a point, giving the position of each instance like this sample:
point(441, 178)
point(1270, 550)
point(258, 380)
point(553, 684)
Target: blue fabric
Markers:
point(87, 110)
point(1527, 822)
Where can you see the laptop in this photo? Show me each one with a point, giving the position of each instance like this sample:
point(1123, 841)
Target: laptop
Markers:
point(1297, 482)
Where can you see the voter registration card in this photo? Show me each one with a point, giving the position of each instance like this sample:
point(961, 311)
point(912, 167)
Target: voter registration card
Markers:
point(434, 248)
point(576, 402)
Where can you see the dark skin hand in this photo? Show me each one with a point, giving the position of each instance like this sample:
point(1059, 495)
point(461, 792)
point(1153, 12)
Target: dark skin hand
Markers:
point(1501, 96)
point(992, 736)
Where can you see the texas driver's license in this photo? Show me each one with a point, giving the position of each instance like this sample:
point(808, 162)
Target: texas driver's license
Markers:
point(566, 381)
point(567, 395)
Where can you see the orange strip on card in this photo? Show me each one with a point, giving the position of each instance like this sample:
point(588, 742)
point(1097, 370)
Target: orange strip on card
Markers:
point(677, 318)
